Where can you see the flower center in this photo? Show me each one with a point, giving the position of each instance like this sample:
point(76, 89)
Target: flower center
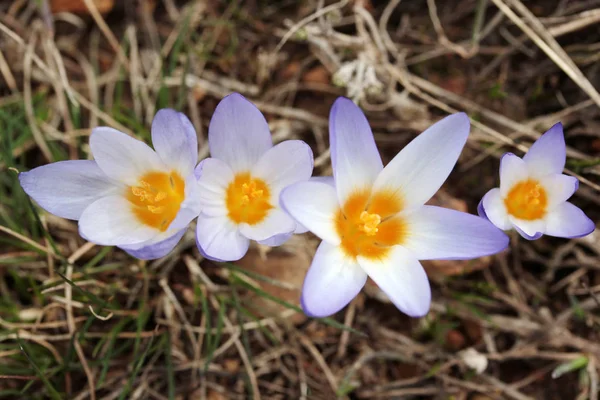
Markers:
point(247, 199)
point(527, 200)
point(157, 198)
point(368, 225)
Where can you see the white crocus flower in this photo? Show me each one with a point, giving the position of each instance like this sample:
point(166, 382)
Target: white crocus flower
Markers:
point(241, 182)
point(533, 193)
point(129, 196)
point(373, 221)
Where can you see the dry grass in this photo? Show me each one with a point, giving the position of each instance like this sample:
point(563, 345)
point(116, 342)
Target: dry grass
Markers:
point(80, 321)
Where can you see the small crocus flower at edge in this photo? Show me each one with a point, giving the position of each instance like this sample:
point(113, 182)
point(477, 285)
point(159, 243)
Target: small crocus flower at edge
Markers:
point(129, 196)
point(373, 221)
point(241, 182)
point(533, 193)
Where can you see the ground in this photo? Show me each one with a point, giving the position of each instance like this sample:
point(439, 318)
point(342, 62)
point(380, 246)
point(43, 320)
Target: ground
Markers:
point(80, 321)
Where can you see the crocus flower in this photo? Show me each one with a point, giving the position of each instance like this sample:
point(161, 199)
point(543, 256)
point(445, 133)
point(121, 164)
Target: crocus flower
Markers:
point(241, 182)
point(533, 192)
point(129, 196)
point(373, 221)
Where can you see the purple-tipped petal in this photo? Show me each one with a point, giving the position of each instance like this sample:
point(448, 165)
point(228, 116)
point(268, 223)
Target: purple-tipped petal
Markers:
point(66, 188)
point(314, 205)
point(175, 141)
point(122, 157)
point(437, 233)
point(332, 281)
point(402, 278)
point(110, 221)
point(283, 164)
point(324, 179)
point(559, 188)
point(156, 250)
point(238, 133)
point(218, 238)
point(420, 169)
point(277, 222)
point(568, 221)
point(492, 208)
point(548, 154)
point(512, 171)
point(354, 155)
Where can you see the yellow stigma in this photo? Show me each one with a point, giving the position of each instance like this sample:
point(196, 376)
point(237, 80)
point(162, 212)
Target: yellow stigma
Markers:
point(527, 200)
point(157, 198)
point(247, 199)
point(368, 225)
point(370, 222)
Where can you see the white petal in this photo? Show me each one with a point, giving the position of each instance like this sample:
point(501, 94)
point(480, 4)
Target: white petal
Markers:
point(175, 141)
point(402, 278)
point(276, 223)
point(314, 205)
point(110, 221)
point(354, 155)
point(568, 221)
point(190, 207)
point(218, 239)
point(156, 248)
point(437, 233)
point(558, 188)
point(532, 229)
point(418, 171)
point(238, 133)
point(214, 176)
point(122, 157)
point(493, 208)
point(283, 164)
point(332, 281)
point(66, 188)
point(512, 170)
point(548, 154)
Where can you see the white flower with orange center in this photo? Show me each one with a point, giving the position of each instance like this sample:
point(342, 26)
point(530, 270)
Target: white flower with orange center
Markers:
point(373, 221)
point(533, 193)
point(129, 196)
point(241, 182)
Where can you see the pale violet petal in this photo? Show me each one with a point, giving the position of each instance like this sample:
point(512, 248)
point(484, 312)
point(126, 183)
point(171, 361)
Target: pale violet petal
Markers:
point(283, 164)
point(512, 171)
point(558, 188)
point(122, 157)
point(66, 188)
point(151, 251)
point(238, 133)
point(548, 154)
point(436, 233)
point(420, 169)
point(354, 155)
point(331, 282)
point(276, 222)
point(110, 221)
point(214, 176)
point(493, 208)
point(324, 179)
point(175, 141)
point(219, 239)
point(402, 278)
point(314, 205)
point(568, 221)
